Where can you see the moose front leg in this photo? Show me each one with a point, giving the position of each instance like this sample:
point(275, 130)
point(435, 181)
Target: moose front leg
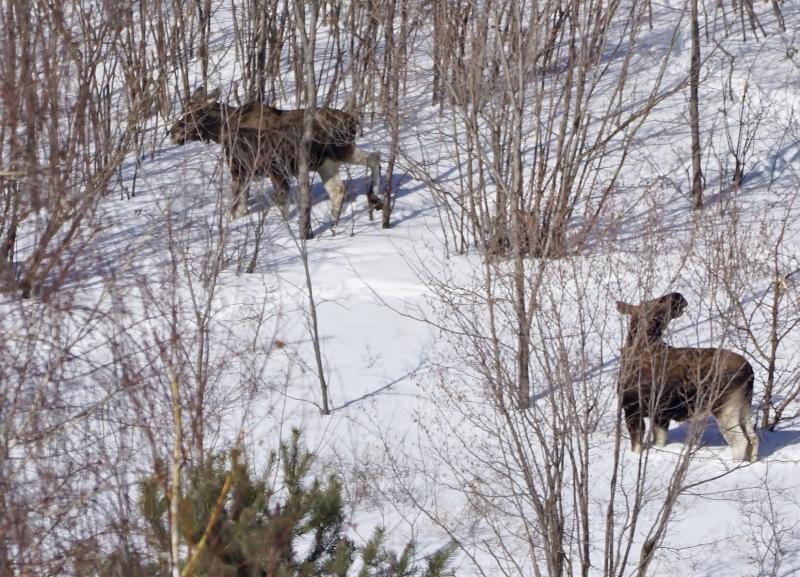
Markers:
point(280, 194)
point(635, 423)
point(239, 195)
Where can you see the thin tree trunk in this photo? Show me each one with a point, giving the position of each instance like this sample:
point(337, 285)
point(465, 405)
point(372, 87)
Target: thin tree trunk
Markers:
point(323, 385)
point(774, 342)
point(694, 110)
point(307, 39)
point(5, 521)
point(175, 493)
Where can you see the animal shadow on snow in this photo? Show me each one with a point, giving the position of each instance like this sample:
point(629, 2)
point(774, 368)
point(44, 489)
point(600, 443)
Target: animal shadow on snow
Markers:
point(774, 441)
point(769, 441)
point(261, 197)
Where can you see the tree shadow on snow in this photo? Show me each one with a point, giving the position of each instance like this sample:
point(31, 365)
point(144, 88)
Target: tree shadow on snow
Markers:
point(188, 208)
point(381, 390)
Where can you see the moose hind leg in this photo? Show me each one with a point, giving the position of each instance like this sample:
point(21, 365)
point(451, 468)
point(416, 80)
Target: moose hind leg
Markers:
point(371, 160)
point(746, 422)
point(660, 430)
point(729, 421)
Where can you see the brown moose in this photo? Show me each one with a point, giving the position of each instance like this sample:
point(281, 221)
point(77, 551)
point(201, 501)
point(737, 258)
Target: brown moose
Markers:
point(668, 383)
point(259, 140)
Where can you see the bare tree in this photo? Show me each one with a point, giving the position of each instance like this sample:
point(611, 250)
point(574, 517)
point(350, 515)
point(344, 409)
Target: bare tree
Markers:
point(306, 14)
point(394, 70)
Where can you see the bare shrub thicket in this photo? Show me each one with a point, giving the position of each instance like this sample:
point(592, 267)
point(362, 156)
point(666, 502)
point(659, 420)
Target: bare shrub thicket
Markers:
point(190, 374)
point(718, 23)
point(729, 18)
point(68, 121)
point(156, 365)
point(742, 120)
point(64, 134)
point(82, 85)
point(544, 110)
point(259, 40)
point(54, 459)
point(756, 273)
point(143, 380)
point(749, 251)
point(144, 374)
point(772, 533)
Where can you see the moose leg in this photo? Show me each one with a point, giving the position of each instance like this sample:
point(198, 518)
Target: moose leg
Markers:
point(660, 429)
point(239, 188)
point(280, 194)
point(746, 422)
point(329, 172)
point(729, 421)
point(371, 160)
point(635, 424)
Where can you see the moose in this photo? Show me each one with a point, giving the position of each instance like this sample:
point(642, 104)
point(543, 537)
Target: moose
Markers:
point(259, 140)
point(668, 383)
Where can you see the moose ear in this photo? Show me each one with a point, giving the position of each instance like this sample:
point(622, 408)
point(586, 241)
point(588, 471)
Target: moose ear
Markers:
point(625, 308)
point(212, 96)
point(198, 95)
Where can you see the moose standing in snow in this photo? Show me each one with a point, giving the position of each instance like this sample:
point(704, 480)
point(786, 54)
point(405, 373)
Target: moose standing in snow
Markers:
point(668, 383)
point(259, 140)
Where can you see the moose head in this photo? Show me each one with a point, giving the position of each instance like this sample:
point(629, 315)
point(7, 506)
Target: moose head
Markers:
point(649, 319)
point(201, 118)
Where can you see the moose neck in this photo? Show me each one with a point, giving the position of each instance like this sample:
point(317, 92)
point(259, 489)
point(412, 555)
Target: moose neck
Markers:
point(644, 339)
point(647, 333)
